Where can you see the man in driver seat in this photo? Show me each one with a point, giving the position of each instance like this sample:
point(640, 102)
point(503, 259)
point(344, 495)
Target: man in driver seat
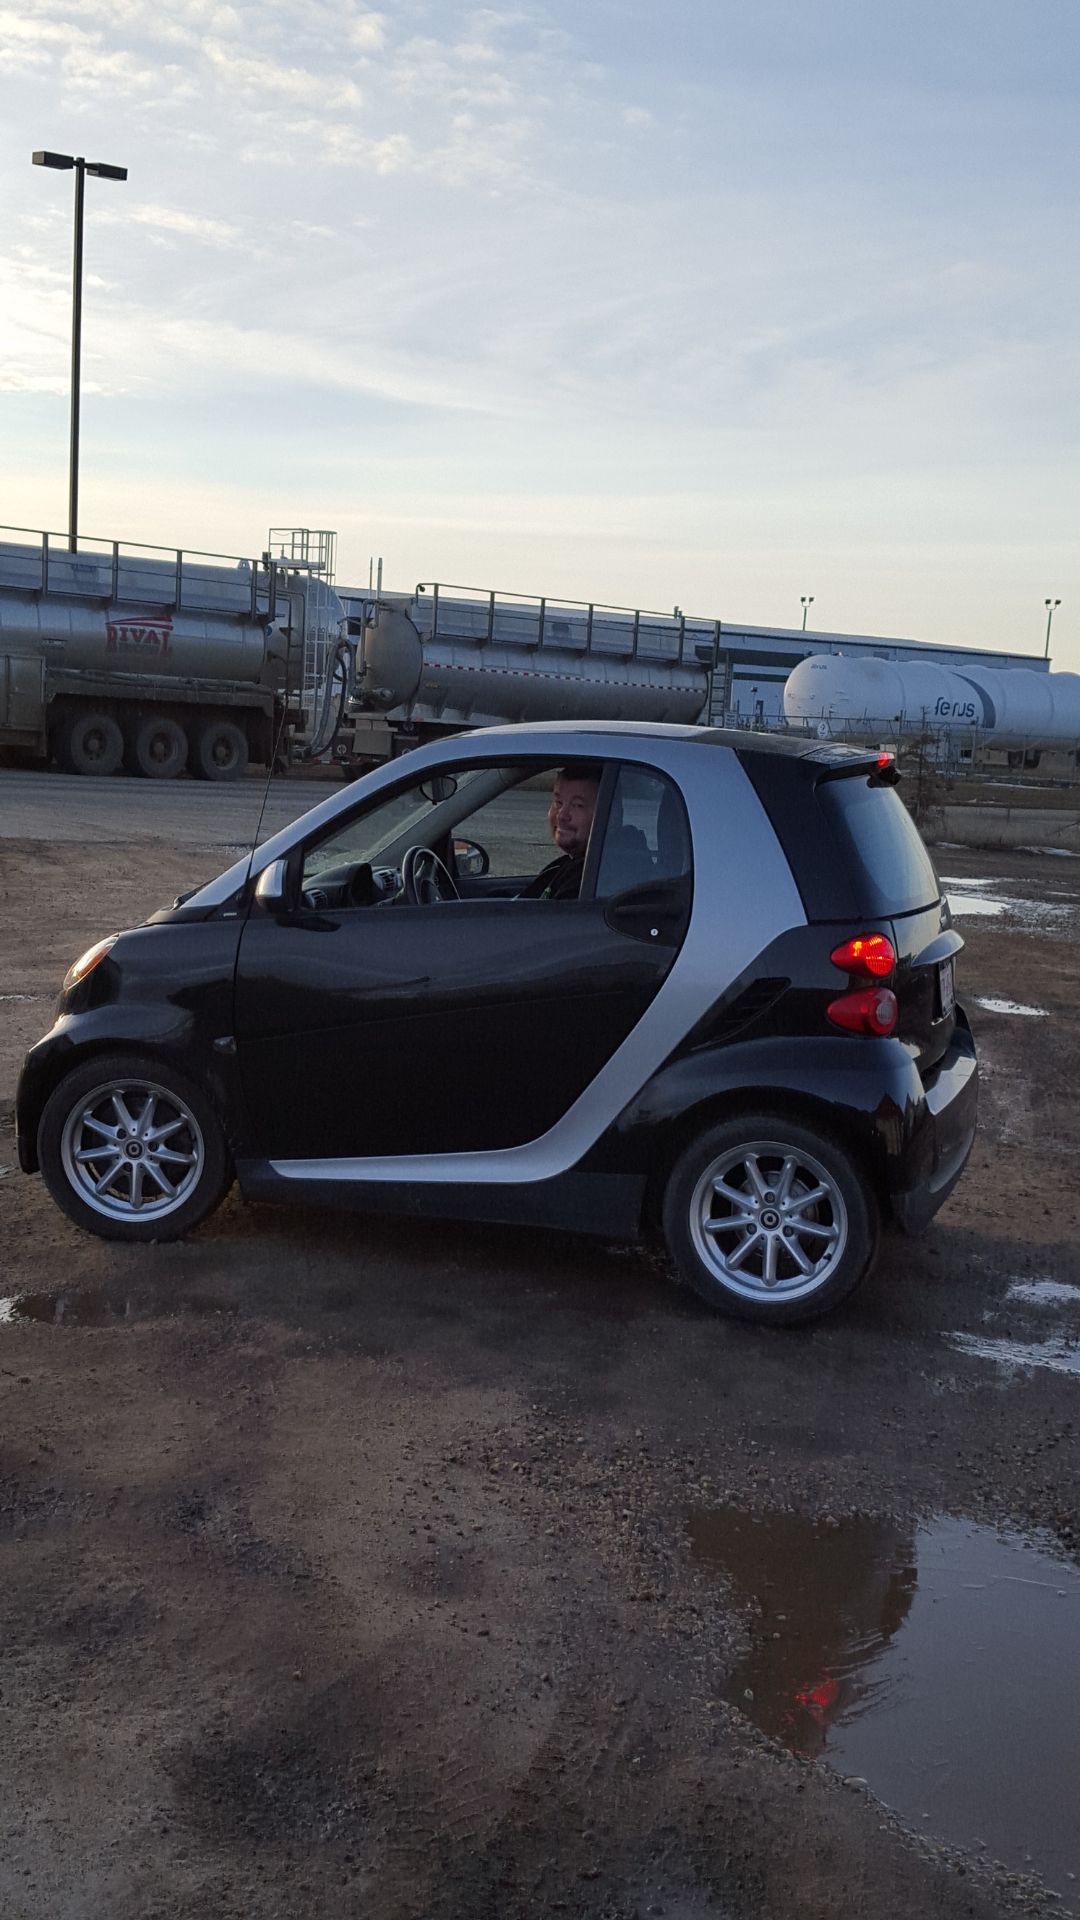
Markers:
point(570, 818)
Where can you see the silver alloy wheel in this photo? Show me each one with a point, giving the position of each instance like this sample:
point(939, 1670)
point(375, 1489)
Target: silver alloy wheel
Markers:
point(132, 1150)
point(769, 1221)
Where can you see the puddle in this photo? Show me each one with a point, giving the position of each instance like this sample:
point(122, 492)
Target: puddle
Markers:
point(76, 1309)
point(1045, 1293)
point(1020, 1356)
point(931, 1662)
point(1012, 1006)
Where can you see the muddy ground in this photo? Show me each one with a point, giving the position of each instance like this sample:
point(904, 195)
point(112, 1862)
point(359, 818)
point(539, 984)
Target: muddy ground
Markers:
point(345, 1565)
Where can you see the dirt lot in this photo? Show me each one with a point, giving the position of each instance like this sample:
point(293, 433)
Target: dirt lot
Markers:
point(346, 1565)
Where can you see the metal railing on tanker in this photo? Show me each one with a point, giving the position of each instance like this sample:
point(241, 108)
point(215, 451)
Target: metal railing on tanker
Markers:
point(494, 616)
point(134, 573)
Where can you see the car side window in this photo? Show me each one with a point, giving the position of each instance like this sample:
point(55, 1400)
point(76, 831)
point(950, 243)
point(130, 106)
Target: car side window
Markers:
point(647, 837)
point(513, 829)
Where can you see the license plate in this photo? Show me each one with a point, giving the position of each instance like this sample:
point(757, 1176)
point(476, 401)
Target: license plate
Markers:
point(946, 988)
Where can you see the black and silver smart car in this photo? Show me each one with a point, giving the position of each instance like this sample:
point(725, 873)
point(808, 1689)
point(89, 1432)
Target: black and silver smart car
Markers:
point(736, 1025)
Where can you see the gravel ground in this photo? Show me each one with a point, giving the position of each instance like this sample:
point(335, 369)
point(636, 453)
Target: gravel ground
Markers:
point(346, 1564)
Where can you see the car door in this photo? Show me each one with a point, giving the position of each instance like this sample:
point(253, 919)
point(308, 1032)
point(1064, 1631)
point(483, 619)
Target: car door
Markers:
point(467, 1025)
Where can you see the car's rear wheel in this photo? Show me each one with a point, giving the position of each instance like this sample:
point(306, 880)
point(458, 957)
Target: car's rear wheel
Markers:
point(131, 1150)
point(768, 1220)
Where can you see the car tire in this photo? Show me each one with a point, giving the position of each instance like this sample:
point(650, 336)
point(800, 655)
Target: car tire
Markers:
point(101, 1117)
point(769, 1220)
point(89, 743)
point(218, 750)
point(157, 747)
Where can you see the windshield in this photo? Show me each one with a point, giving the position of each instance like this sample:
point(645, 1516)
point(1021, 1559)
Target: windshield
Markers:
point(414, 816)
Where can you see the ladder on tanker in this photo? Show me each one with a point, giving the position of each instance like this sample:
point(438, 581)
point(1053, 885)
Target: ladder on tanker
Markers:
point(311, 552)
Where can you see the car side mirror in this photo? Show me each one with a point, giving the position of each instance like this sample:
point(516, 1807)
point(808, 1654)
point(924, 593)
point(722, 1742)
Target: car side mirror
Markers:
point(470, 859)
point(272, 885)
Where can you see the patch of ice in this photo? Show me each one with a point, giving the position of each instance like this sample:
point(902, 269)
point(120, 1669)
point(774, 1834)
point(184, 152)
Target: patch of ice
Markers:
point(1019, 1356)
point(1044, 1293)
point(964, 904)
point(1011, 1006)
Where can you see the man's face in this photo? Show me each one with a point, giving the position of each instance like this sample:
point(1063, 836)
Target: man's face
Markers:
point(570, 815)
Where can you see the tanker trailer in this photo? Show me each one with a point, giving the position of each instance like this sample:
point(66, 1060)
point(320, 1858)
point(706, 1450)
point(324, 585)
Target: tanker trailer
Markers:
point(1013, 709)
point(112, 656)
point(442, 659)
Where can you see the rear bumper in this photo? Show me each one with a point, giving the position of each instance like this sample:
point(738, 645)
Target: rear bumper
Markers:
point(943, 1134)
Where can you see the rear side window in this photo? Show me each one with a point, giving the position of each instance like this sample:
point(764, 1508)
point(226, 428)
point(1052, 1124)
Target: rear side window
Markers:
point(647, 838)
point(890, 867)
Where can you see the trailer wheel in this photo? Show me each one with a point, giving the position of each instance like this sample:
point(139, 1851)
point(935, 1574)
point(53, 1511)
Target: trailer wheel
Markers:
point(89, 742)
point(157, 747)
point(218, 750)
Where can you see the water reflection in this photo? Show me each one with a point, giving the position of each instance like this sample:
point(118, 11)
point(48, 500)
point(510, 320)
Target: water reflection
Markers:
point(939, 1664)
point(828, 1598)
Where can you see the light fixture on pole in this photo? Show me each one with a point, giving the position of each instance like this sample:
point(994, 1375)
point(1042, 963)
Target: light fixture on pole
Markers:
point(1049, 605)
point(65, 162)
point(807, 600)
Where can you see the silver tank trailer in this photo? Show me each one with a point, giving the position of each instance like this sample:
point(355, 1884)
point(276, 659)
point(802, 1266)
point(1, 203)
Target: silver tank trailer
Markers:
point(468, 667)
point(77, 623)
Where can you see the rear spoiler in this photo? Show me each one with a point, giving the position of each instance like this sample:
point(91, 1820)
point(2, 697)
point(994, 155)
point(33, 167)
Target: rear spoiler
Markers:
point(839, 763)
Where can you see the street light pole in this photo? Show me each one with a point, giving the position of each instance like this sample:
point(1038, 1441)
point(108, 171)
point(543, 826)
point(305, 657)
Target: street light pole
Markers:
point(76, 358)
point(1049, 605)
point(67, 162)
point(807, 602)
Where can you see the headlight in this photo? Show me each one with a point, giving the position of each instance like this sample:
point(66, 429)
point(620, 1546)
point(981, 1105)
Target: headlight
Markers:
point(90, 959)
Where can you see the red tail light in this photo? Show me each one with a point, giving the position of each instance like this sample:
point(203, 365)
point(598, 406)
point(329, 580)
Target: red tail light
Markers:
point(871, 954)
point(870, 1010)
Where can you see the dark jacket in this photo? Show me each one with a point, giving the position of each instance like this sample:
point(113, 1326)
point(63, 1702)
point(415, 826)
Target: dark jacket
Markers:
point(560, 880)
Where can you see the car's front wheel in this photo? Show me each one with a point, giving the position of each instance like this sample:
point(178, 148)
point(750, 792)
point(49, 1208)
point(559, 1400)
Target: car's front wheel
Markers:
point(768, 1220)
point(131, 1150)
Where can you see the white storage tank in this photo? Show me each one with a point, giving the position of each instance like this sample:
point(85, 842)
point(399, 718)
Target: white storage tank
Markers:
point(1015, 705)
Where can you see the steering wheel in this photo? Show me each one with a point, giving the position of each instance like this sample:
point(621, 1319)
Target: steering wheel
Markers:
point(425, 880)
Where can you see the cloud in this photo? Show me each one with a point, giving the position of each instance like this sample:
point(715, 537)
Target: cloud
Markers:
point(191, 226)
point(289, 82)
point(368, 32)
point(88, 69)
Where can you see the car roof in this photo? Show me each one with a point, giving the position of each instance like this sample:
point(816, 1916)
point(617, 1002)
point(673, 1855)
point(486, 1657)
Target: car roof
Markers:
point(741, 740)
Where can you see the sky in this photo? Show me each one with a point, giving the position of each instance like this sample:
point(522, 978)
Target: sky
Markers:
point(697, 303)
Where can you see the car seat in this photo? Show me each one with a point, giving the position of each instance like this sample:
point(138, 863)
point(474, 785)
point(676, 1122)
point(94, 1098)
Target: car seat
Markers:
point(672, 838)
point(627, 860)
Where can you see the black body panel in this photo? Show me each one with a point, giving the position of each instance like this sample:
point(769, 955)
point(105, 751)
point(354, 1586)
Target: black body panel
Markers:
point(463, 1026)
point(164, 991)
point(912, 1133)
point(604, 1205)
